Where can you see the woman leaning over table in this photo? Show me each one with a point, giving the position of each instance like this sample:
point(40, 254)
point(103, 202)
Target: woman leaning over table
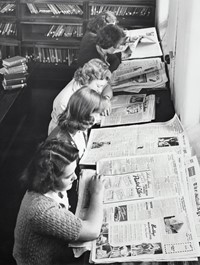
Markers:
point(82, 112)
point(96, 75)
point(104, 46)
point(44, 224)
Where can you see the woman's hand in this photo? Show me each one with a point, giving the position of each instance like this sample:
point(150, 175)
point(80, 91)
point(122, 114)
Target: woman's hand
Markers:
point(127, 53)
point(97, 184)
point(106, 107)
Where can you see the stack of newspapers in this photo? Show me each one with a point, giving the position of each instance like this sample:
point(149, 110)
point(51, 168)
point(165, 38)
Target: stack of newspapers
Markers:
point(143, 67)
point(15, 73)
point(151, 198)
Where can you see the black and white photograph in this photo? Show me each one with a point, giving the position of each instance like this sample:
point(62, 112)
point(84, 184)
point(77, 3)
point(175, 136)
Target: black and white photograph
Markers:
point(92, 91)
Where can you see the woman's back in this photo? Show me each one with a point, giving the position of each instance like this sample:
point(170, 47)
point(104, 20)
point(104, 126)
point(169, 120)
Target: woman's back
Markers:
point(88, 49)
point(43, 230)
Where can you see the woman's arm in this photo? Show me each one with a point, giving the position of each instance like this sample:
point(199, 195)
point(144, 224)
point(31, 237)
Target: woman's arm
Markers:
point(91, 226)
point(107, 94)
point(107, 91)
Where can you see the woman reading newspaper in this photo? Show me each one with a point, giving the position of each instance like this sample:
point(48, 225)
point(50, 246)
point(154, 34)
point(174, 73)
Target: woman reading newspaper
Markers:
point(45, 224)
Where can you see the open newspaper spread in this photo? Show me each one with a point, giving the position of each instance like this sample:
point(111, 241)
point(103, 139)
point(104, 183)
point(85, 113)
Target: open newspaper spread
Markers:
point(147, 209)
point(157, 137)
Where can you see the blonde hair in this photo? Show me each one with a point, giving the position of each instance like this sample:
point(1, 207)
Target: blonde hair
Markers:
point(92, 70)
point(78, 114)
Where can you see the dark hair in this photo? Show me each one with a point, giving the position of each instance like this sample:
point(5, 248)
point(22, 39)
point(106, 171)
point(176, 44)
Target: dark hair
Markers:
point(47, 165)
point(100, 20)
point(110, 36)
point(78, 113)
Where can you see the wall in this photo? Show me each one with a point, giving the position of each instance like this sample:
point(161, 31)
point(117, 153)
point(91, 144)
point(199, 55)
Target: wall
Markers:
point(162, 13)
point(186, 82)
point(182, 29)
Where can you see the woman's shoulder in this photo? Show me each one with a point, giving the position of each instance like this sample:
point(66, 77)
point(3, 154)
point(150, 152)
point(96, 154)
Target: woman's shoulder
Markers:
point(63, 97)
point(88, 40)
point(89, 35)
point(66, 90)
point(33, 203)
point(35, 199)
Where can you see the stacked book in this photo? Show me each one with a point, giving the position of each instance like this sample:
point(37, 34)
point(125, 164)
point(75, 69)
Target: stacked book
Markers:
point(15, 72)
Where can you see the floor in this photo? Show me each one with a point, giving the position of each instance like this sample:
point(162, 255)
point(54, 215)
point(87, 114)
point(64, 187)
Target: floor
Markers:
point(33, 131)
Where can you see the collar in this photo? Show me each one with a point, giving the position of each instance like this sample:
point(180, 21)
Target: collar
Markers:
point(60, 197)
point(103, 54)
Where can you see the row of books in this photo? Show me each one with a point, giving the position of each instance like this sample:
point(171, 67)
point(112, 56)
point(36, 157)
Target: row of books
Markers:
point(56, 55)
point(8, 29)
point(122, 10)
point(56, 31)
point(7, 8)
point(15, 72)
point(55, 9)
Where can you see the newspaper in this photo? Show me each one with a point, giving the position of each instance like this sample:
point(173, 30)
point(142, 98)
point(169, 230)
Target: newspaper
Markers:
point(193, 179)
point(131, 68)
point(147, 204)
point(153, 79)
point(125, 99)
point(155, 137)
point(143, 43)
point(146, 210)
point(136, 112)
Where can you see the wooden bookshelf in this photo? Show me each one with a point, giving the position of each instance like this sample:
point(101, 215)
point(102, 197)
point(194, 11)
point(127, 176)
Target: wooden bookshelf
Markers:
point(9, 39)
point(130, 14)
point(51, 31)
point(53, 28)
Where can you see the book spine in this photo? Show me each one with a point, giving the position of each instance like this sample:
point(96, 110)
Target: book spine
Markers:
point(13, 70)
point(14, 86)
point(15, 63)
point(14, 81)
point(15, 76)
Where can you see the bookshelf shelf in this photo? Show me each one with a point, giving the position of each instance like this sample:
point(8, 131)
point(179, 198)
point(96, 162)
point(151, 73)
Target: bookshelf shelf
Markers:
point(48, 10)
point(130, 14)
point(60, 24)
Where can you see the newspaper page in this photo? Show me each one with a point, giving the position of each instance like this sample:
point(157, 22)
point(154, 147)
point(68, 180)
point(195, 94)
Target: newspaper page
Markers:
point(82, 206)
point(155, 137)
point(143, 43)
point(131, 113)
point(150, 80)
point(131, 68)
point(146, 211)
point(125, 99)
point(193, 179)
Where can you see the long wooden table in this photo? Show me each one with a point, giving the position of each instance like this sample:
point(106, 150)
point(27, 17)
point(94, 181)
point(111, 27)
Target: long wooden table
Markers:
point(14, 107)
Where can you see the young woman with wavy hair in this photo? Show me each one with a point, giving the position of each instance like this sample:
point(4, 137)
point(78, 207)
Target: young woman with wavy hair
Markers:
point(44, 225)
point(82, 111)
point(94, 74)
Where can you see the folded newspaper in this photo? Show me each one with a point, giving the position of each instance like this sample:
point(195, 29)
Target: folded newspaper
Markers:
point(132, 111)
point(131, 68)
point(143, 43)
point(149, 80)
